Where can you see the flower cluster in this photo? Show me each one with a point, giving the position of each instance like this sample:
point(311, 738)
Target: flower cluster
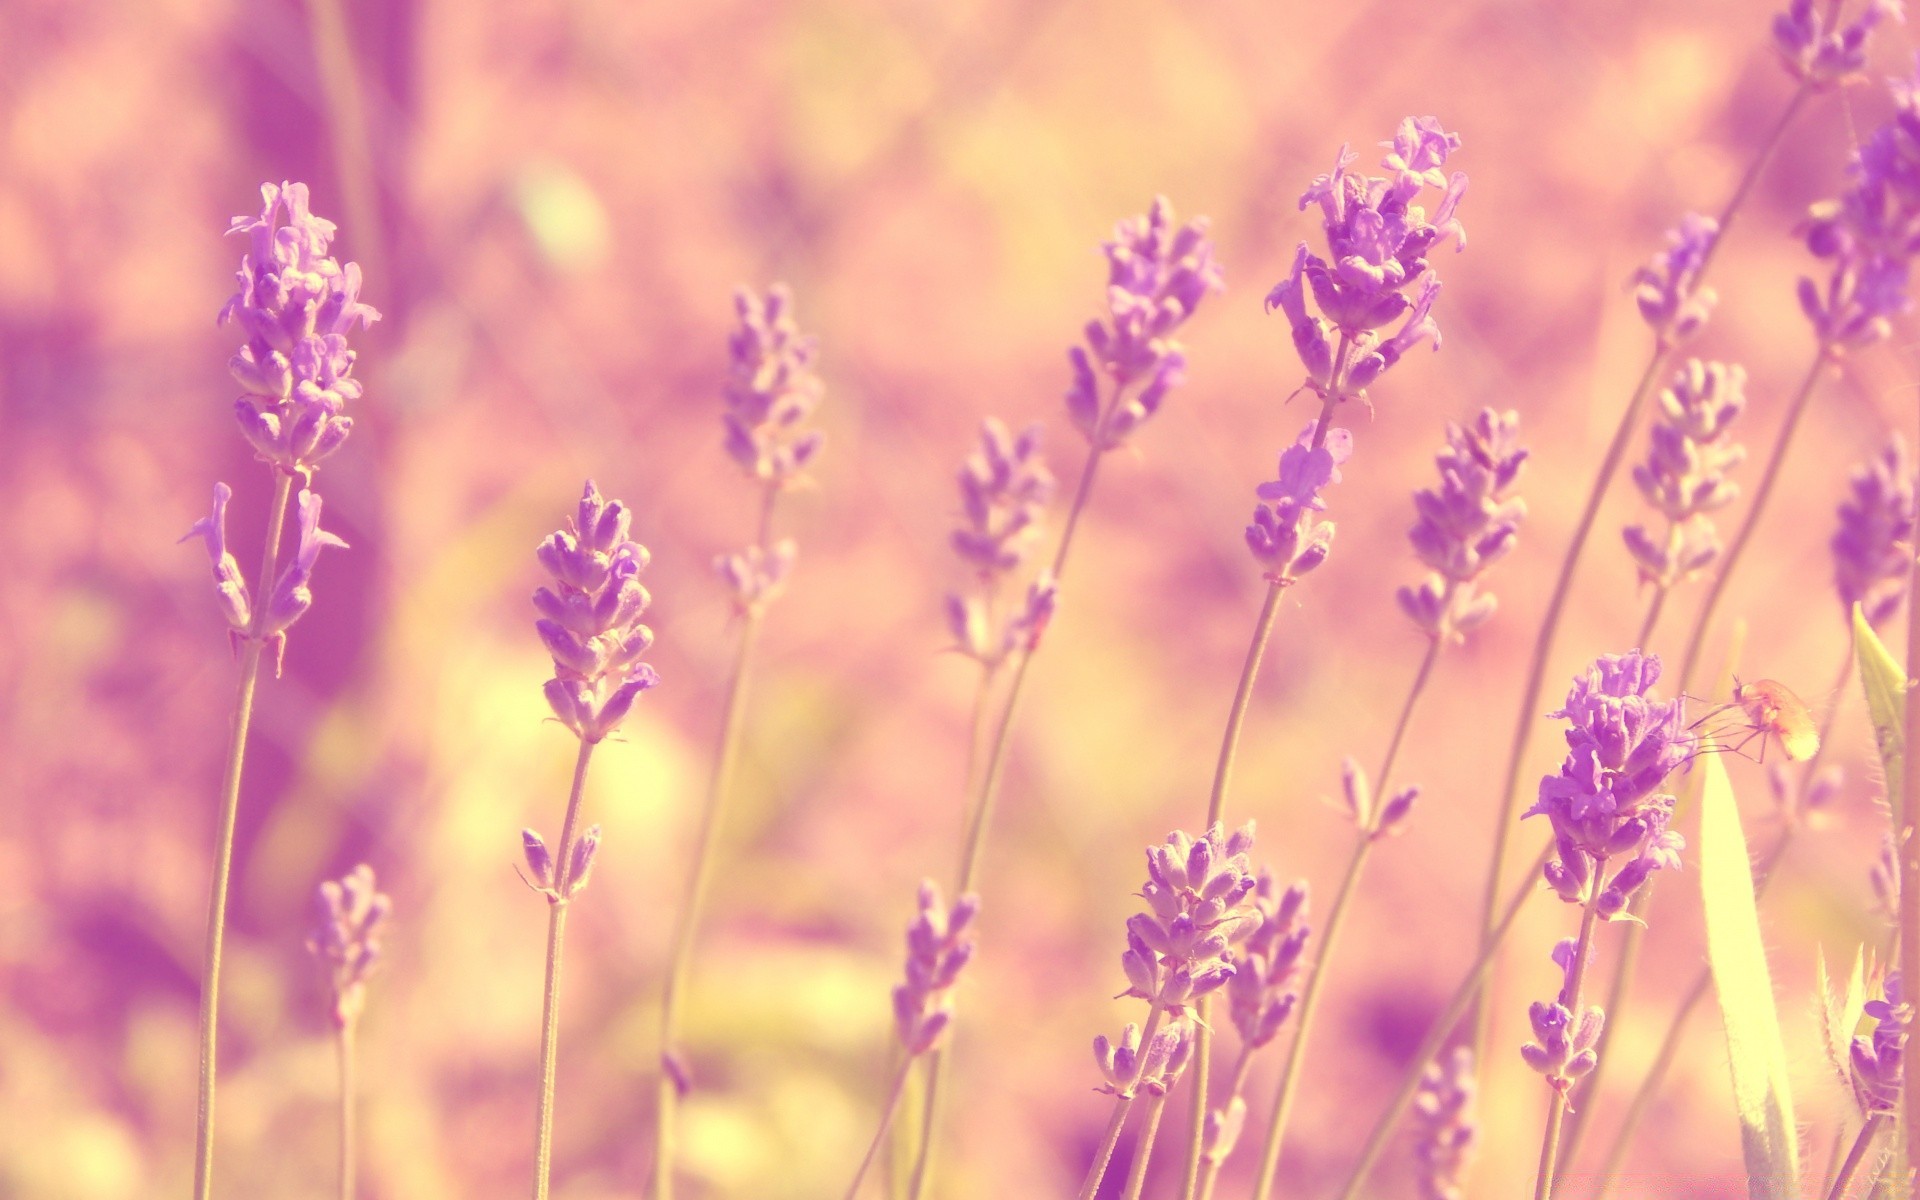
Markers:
point(347, 938)
point(771, 389)
point(1821, 56)
point(1668, 289)
point(1602, 804)
point(540, 868)
point(296, 304)
point(1286, 536)
point(1873, 549)
point(1876, 1060)
point(1127, 1069)
point(1565, 1047)
point(1690, 453)
point(1448, 1134)
point(939, 945)
point(1158, 272)
point(1004, 486)
point(1378, 240)
point(1260, 995)
point(1869, 235)
point(590, 618)
point(1465, 524)
point(292, 592)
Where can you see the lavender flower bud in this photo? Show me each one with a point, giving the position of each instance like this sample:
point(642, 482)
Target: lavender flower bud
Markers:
point(771, 389)
point(1685, 476)
point(229, 585)
point(1447, 1131)
point(1286, 537)
point(1465, 524)
point(580, 861)
point(291, 594)
point(346, 938)
point(1118, 1063)
point(1563, 1050)
point(1876, 1060)
point(1004, 486)
point(1222, 1130)
point(1157, 275)
point(757, 575)
point(1873, 549)
point(590, 619)
point(1822, 57)
point(1261, 993)
point(539, 861)
point(1668, 291)
point(938, 949)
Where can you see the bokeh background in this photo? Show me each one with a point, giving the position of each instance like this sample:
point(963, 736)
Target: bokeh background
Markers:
point(552, 202)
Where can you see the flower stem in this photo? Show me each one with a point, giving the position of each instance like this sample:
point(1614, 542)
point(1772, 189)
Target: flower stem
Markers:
point(550, 1004)
point(686, 928)
point(1654, 606)
point(1104, 1154)
point(886, 1118)
point(251, 650)
point(1908, 841)
point(1557, 1107)
point(1143, 1147)
point(1210, 1165)
point(343, 1053)
point(1856, 1155)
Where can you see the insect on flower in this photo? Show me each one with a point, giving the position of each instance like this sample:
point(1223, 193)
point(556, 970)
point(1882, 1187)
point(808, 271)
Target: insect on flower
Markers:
point(1771, 710)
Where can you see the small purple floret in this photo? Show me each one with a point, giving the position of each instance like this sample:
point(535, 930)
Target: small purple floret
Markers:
point(1286, 536)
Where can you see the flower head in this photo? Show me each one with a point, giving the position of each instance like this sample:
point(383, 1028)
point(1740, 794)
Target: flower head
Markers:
point(347, 938)
point(1158, 272)
point(1261, 993)
point(1668, 289)
point(1466, 524)
point(590, 618)
point(1873, 548)
point(939, 946)
point(1565, 1046)
point(1286, 536)
point(1822, 56)
point(771, 389)
point(1004, 487)
point(1199, 895)
point(1690, 456)
point(1375, 272)
point(296, 304)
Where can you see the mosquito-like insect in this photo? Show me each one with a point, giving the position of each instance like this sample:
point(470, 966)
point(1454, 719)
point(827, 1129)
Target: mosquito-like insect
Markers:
point(1769, 710)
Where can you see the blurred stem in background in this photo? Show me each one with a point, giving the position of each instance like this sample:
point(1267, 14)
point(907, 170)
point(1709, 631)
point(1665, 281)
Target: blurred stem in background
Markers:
point(1907, 841)
point(252, 646)
point(343, 1045)
point(1664, 345)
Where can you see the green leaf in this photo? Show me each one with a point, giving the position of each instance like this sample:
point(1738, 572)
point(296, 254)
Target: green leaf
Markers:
point(1762, 1099)
point(1840, 1015)
point(1885, 683)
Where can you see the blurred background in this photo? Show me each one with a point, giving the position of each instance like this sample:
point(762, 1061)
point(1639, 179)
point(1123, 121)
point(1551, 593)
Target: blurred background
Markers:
point(552, 203)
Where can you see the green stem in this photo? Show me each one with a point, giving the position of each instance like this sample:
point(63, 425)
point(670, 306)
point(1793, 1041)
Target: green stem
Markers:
point(1654, 606)
point(557, 905)
point(1439, 1031)
point(251, 649)
point(880, 1134)
point(1908, 841)
point(686, 929)
point(343, 1054)
point(1557, 1107)
point(1104, 1154)
point(1143, 1148)
point(1856, 1155)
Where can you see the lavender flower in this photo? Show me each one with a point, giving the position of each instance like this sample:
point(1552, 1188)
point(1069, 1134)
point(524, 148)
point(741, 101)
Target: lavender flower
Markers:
point(1199, 892)
point(1622, 745)
point(1668, 289)
point(291, 595)
point(1869, 235)
point(1377, 243)
point(1157, 275)
point(590, 618)
point(1261, 994)
point(1873, 549)
point(540, 873)
point(1564, 1048)
point(1465, 524)
point(1373, 820)
point(939, 946)
point(1447, 1132)
point(1127, 1070)
point(1004, 485)
point(1823, 57)
point(296, 304)
point(1875, 1066)
point(1286, 537)
point(229, 585)
point(347, 938)
point(1690, 452)
point(771, 389)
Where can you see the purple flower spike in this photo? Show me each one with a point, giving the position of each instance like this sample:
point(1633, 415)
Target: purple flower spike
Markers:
point(347, 938)
point(1873, 549)
point(1004, 488)
point(1286, 537)
point(1262, 993)
point(1690, 455)
point(771, 389)
point(1876, 1059)
point(229, 586)
point(939, 946)
point(1377, 242)
point(1448, 1131)
point(1158, 272)
point(590, 618)
point(296, 304)
point(1668, 291)
point(1825, 57)
point(1465, 524)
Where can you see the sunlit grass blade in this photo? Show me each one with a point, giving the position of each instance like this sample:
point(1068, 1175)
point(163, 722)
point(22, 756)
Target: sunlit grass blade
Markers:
point(1885, 685)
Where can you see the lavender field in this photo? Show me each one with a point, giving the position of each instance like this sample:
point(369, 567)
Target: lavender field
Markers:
point(715, 536)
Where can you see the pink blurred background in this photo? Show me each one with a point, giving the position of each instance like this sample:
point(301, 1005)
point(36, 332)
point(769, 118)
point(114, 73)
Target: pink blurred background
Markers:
point(552, 203)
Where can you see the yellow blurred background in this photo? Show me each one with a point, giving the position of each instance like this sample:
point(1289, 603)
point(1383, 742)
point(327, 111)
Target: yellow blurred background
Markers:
point(552, 203)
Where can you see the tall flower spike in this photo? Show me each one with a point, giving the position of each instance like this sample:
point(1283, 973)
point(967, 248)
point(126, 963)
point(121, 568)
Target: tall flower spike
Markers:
point(1873, 548)
point(771, 389)
point(590, 618)
point(1667, 289)
point(296, 304)
point(1261, 994)
point(1004, 487)
point(1869, 235)
point(1375, 271)
point(1690, 454)
point(1199, 895)
point(346, 938)
point(1622, 745)
point(1465, 524)
point(1825, 57)
point(1448, 1133)
point(1286, 536)
point(1158, 272)
point(939, 946)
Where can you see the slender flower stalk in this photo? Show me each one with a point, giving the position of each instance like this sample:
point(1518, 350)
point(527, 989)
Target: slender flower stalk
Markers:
point(590, 621)
point(347, 942)
point(296, 305)
point(771, 393)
